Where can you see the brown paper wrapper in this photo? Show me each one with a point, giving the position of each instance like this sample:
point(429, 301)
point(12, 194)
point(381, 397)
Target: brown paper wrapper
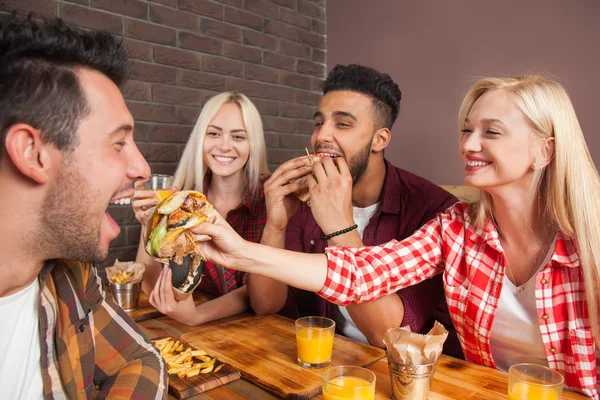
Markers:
point(134, 271)
point(406, 347)
point(412, 358)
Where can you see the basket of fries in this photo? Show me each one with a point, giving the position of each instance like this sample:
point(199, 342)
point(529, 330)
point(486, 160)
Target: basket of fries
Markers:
point(125, 280)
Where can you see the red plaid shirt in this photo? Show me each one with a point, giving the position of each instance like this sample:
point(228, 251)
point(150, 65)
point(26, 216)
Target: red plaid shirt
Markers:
point(248, 220)
point(407, 203)
point(472, 262)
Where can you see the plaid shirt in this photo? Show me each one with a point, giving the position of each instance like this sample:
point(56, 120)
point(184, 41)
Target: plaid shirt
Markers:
point(473, 264)
point(89, 345)
point(248, 220)
point(407, 203)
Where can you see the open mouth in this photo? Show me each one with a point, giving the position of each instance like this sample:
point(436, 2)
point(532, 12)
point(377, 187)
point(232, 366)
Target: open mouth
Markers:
point(121, 199)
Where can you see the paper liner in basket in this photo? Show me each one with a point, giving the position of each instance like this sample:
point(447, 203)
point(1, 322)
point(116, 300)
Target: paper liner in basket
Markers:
point(133, 271)
point(406, 347)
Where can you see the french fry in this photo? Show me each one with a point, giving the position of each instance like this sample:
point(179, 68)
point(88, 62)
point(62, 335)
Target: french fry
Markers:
point(218, 368)
point(183, 357)
point(121, 277)
point(176, 370)
point(168, 348)
point(161, 342)
point(207, 370)
point(203, 358)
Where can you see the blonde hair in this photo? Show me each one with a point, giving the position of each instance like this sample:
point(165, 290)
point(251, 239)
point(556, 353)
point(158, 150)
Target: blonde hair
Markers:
point(568, 188)
point(192, 171)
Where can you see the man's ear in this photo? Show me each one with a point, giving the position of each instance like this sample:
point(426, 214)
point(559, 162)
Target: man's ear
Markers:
point(27, 152)
point(381, 139)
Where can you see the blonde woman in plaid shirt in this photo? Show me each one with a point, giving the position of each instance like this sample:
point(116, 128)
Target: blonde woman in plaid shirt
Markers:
point(226, 156)
point(532, 240)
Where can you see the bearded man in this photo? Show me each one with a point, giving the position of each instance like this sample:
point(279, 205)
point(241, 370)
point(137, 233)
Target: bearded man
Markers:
point(380, 203)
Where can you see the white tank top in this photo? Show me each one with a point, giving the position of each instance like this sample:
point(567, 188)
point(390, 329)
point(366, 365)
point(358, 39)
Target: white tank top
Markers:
point(20, 367)
point(515, 336)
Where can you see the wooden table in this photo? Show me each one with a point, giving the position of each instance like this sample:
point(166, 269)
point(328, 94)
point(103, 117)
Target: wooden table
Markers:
point(453, 379)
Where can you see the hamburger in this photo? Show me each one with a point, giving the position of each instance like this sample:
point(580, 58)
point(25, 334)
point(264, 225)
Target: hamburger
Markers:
point(171, 242)
point(304, 194)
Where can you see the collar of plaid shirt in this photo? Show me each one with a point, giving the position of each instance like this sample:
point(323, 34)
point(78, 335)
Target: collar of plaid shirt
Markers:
point(473, 265)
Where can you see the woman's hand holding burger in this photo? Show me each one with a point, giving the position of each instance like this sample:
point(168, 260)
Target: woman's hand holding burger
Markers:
point(163, 299)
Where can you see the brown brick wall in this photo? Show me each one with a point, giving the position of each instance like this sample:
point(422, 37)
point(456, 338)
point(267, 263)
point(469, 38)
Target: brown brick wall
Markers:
point(185, 51)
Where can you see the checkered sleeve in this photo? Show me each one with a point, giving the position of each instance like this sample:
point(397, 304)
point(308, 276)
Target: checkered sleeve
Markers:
point(365, 273)
point(128, 366)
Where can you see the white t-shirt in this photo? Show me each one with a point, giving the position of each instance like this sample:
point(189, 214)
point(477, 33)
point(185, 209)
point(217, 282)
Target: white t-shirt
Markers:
point(516, 308)
point(20, 368)
point(342, 318)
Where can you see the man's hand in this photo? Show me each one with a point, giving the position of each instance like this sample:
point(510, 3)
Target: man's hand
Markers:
point(331, 195)
point(280, 205)
point(163, 299)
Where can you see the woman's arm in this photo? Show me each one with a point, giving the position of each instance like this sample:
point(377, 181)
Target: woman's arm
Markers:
point(343, 275)
point(229, 304)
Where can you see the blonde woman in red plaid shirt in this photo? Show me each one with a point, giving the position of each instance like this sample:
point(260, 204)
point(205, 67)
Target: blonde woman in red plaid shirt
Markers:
point(532, 241)
point(226, 157)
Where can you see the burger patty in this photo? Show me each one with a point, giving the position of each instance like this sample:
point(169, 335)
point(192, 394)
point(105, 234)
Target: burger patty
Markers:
point(177, 218)
point(192, 204)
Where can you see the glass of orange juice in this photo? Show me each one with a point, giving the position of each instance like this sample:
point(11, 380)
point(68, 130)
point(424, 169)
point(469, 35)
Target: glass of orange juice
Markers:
point(347, 382)
point(532, 381)
point(161, 184)
point(314, 339)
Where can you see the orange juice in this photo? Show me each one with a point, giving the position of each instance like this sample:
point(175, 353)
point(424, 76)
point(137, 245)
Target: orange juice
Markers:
point(162, 193)
point(315, 345)
point(524, 391)
point(348, 388)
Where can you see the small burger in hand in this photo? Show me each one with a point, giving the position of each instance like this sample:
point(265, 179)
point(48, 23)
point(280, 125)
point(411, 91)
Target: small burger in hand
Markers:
point(170, 240)
point(304, 194)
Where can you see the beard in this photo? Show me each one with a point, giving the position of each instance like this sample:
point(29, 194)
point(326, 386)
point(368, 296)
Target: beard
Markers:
point(359, 162)
point(69, 227)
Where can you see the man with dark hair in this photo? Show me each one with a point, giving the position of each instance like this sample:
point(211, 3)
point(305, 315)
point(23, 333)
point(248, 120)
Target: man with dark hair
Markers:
point(67, 152)
point(380, 203)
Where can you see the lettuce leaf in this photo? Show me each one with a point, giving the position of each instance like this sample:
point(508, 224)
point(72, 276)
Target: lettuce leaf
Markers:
point(157, 236)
